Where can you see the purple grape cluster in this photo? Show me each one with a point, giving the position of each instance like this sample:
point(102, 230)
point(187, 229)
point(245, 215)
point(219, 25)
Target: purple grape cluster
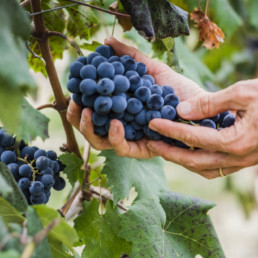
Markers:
point(120, 88)
point(35, 170)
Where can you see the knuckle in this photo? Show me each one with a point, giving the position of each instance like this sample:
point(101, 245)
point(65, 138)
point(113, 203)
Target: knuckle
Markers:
point(205, 104)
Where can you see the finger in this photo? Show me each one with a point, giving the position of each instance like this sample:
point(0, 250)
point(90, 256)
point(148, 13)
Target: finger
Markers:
point(124, 148)
point(210, 104)
point(73, 114)
point(87, 129)
point(214, 173)
point(199, 136)
point(122, 49)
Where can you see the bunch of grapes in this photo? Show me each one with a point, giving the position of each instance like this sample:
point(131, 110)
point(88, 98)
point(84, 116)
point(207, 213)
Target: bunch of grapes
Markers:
point(120, 88)
point(35, 170)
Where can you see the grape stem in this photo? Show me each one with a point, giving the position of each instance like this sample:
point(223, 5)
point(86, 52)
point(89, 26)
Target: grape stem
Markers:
point(49, 105)
point(41, 33)
point(70, 41)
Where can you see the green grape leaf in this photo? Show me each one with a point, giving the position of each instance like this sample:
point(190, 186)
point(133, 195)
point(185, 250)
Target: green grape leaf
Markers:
point(5, 188)
point(99, 232)
point(252, 11)
point(34, 226)
point(15, 79)
point(32, 123)
point(73, 167)
point(9, 214)
point(157, 19)
point(15, 197)
point(90, 46)
point(63, 232)
point(177, 227)
point(10, 254)
point(147, 176)
point(82, 21)
point(57, 248)
point(191, 65)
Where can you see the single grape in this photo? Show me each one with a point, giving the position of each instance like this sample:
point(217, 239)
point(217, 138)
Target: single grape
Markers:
point(105, 51)
point(88, 87)
point(129, 64)
point(88, 101)
point(40, 199)
point(128, 74)
point(6, 140)
point(119, 104)
point(73, 85)
point(36, 188)
point(152, 114)
point(135, 82)
point(52, 155)
point(156, 89)
point(151, 134)
point(103, 105)
point(82, 59)
point(14, 168)
point(208, 123)
point(88, 72)
point(114, 115)
point(142, 93)
point(99, 120)
point(1, 150)
point(215, 118)
point(119, 68)
point(42, 163)
point(47, 180)
point(141, 69)
point(91, 56)
point(47, 171)
point(105, 87)
point(149, 77)
point(134, 106)
point(124, 57)
point(27, 152)
point(171, 100)
point(130, 133)
point(139, 135)
point(122, 84)
point(227, 121)
point(75, 68)
point(114, 59)
point(146, 83)
point(8, 157)
point(166, 90)
point(222, 115)
point(140, 118)
point(39, 153)
point(56, 166)
point(25, 171)
point(24, 183)
point(96, 61)
point(100, 130)
point(168, 112)
point(77, 98)
point(128, 117)
point(155, 102)
point(106, 70)
point(136, 126)
point(59, 184)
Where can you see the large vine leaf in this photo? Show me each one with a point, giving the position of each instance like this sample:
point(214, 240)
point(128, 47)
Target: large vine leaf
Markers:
point(73, 167)
point(15, 79)
point(157, 19)
point(15, 197)
point(32, 123)
point(34, 226)
point(147, 176)
point(179, 227)
point(99, 232)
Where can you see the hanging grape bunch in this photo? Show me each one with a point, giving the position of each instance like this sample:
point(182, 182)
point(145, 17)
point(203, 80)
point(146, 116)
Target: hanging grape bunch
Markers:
point(120, 88)
point(35, 170)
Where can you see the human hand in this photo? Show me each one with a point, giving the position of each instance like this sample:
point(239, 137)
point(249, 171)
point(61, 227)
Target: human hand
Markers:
point(163, 75)
point(231, 148)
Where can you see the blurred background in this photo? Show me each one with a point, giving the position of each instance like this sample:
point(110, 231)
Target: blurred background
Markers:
point(235, 216)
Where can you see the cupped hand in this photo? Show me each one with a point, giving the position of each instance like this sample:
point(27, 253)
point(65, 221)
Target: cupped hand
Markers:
point(163, 75)
point(231, 148)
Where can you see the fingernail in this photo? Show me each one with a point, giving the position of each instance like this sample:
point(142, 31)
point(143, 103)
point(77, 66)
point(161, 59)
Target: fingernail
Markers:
point(84, 119)
point(152, 126)
point(184, 108)
point(113, 129)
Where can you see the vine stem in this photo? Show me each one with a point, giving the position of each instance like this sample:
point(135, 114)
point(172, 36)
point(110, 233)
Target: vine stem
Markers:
point(207, 7)
point(50, 105)
point(99, 8)
point(41, 33)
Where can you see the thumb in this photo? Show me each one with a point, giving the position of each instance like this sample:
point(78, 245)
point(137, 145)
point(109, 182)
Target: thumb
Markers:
point(209, 104)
